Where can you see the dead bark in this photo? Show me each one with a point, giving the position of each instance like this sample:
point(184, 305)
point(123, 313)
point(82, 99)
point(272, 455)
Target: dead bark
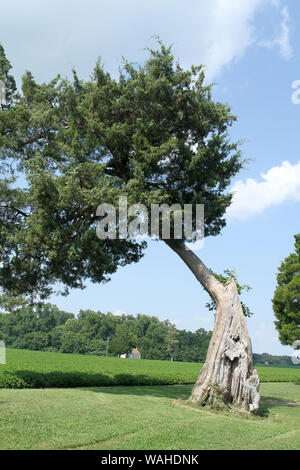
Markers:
point(227, 375)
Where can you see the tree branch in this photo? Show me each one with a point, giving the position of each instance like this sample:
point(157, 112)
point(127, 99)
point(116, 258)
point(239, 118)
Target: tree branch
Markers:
point(198, 268)
point(7, 206)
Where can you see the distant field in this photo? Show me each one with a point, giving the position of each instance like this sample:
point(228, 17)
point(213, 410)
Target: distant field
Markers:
point(34, 369)
point(278, 374)
point(143, 418)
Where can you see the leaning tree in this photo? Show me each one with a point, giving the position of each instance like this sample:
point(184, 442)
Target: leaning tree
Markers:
point(153, 135)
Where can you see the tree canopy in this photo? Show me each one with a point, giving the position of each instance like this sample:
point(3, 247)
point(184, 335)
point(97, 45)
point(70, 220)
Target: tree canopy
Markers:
point(286, 300)
point(154, 135)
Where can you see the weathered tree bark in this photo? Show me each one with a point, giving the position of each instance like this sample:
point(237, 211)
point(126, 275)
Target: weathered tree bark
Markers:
point(227, 374)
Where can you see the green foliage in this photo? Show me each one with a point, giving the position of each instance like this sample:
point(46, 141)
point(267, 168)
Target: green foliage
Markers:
point(9, 82)
point(72, 342)
point(217, 401)
point(172, 341)
point(36, 340)
point(286, 300)
point(153, 344)
point(269, 359)
point(154, 135)
point(32, 326)
point(229, 273)
point(123, 341)
point(44, 327)
point(12, 380)
point(193, 346)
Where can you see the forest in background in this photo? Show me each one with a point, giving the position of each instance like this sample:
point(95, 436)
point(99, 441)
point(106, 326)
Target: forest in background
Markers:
point(47, 328)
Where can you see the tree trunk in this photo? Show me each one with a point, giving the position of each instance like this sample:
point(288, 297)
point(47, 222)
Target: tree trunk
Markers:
point(227, 375)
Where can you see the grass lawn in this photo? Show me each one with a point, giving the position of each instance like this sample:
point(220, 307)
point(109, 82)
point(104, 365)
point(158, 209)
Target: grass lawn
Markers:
point(143, 417)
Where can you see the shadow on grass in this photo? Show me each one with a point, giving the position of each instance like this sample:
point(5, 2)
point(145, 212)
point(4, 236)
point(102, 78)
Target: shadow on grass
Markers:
point(118, 384)
point(181, 392)
point(121, 384)
point(267, 403)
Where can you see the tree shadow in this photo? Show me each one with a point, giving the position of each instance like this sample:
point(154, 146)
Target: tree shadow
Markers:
point(56, 379)
point(267, 403)
point(120, 384)
point(181, 392)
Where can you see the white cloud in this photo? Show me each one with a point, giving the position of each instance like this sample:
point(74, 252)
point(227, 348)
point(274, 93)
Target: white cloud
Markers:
point(261, 331)
point(228, 32)
point(283, 39)
point(265, 339)
point(197, 245)
point(214, 33)
point(280, 184)
point(119, 313)
point(177, 322)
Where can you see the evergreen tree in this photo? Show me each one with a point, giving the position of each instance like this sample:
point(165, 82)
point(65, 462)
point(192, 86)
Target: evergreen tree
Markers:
point(122, 342)
point(154, 135)
point(172, 341)
point(286, 300)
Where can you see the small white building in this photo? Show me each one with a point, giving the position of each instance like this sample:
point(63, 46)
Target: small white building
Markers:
point(135, 354)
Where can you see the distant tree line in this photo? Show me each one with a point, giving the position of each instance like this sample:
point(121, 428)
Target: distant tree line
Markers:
point(269, 359)
point(45, 327)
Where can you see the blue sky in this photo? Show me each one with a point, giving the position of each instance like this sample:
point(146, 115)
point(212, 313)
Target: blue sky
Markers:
point(251, 51)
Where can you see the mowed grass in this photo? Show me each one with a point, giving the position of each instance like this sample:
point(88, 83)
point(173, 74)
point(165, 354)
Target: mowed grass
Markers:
point(35, 369)
point(143, 415)
point(156, 417)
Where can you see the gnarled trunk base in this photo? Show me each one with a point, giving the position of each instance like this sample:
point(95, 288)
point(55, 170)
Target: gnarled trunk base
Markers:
point(228, 370)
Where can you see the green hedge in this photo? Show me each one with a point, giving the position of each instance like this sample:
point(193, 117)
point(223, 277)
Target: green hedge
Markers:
point(30, 379)
point(35, 369)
